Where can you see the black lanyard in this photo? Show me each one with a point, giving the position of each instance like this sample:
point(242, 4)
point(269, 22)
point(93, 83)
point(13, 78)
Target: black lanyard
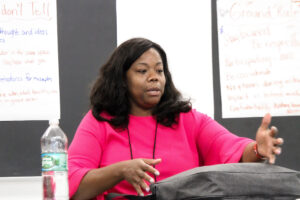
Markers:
point(154, 145)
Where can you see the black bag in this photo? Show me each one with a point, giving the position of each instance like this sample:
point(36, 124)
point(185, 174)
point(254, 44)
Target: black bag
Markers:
point(228, 181)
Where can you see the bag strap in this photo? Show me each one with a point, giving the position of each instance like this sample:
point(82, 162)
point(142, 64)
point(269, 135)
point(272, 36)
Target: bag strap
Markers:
point(111, 196)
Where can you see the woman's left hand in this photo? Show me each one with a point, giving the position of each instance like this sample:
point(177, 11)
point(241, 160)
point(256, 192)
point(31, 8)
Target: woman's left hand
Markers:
point(267, 143)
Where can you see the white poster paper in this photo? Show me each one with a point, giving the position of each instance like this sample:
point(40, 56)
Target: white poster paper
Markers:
point(29, 80)
point(259, 56)
point(183, 29)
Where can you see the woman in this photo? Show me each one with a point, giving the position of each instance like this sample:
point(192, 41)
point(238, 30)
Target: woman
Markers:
point(140, 130)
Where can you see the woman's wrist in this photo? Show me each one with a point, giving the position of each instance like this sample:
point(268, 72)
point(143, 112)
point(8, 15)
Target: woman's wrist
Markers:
point(120, 169)
point(257, 154)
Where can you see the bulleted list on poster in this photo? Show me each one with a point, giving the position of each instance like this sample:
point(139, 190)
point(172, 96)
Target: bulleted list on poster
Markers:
point(259, 45)
point(29, 78)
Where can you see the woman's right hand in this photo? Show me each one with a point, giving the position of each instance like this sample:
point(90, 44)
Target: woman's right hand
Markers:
point(135, 172)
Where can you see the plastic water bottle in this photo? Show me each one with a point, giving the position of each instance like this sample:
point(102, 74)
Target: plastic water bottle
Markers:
point(54, 145)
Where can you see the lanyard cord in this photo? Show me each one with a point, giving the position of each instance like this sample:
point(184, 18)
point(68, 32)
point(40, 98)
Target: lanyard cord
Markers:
point(154, 145)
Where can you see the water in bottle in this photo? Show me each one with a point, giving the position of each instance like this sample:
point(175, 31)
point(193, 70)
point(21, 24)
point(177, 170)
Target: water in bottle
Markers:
point(54, 145)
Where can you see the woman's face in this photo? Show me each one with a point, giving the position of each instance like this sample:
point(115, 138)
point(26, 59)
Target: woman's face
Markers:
point(146, 82)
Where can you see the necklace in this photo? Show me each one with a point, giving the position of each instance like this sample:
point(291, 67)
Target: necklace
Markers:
point(154, 145)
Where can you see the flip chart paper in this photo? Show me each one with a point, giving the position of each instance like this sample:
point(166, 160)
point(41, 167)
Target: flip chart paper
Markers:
point(259, 45)
point(29, 79)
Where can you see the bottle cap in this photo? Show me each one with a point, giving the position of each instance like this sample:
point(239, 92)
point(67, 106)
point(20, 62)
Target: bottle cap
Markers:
point(54, 121)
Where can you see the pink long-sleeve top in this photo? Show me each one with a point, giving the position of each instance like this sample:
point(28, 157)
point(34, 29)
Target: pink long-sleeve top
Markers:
point(196, 141)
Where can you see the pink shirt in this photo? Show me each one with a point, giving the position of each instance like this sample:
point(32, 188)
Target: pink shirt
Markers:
point(197, 140)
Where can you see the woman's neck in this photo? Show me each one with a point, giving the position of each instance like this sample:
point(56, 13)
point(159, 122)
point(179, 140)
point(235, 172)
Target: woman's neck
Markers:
point(141, 112)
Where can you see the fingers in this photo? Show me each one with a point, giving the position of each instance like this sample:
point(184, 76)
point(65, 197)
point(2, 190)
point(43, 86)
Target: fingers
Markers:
point(273, 131)
point(139, 184)
point(152, 161)
point(272, 156)
point(278, 141)
point(148, 178)
point(150, 169)
point(136, 173)
point(272, 159)
point(138, 189)
point(266, 139)
point(145, 176)
point(266, 121)
point(276, 150)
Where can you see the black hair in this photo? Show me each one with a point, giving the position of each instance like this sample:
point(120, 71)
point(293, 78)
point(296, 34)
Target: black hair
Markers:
point(110, 94)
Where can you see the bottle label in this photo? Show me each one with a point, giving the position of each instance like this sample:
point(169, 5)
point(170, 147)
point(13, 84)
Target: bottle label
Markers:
point(54, 162)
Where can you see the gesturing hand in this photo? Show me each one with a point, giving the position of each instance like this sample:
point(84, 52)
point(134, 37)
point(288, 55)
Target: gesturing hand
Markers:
point(135, 172)
point(267, 144)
